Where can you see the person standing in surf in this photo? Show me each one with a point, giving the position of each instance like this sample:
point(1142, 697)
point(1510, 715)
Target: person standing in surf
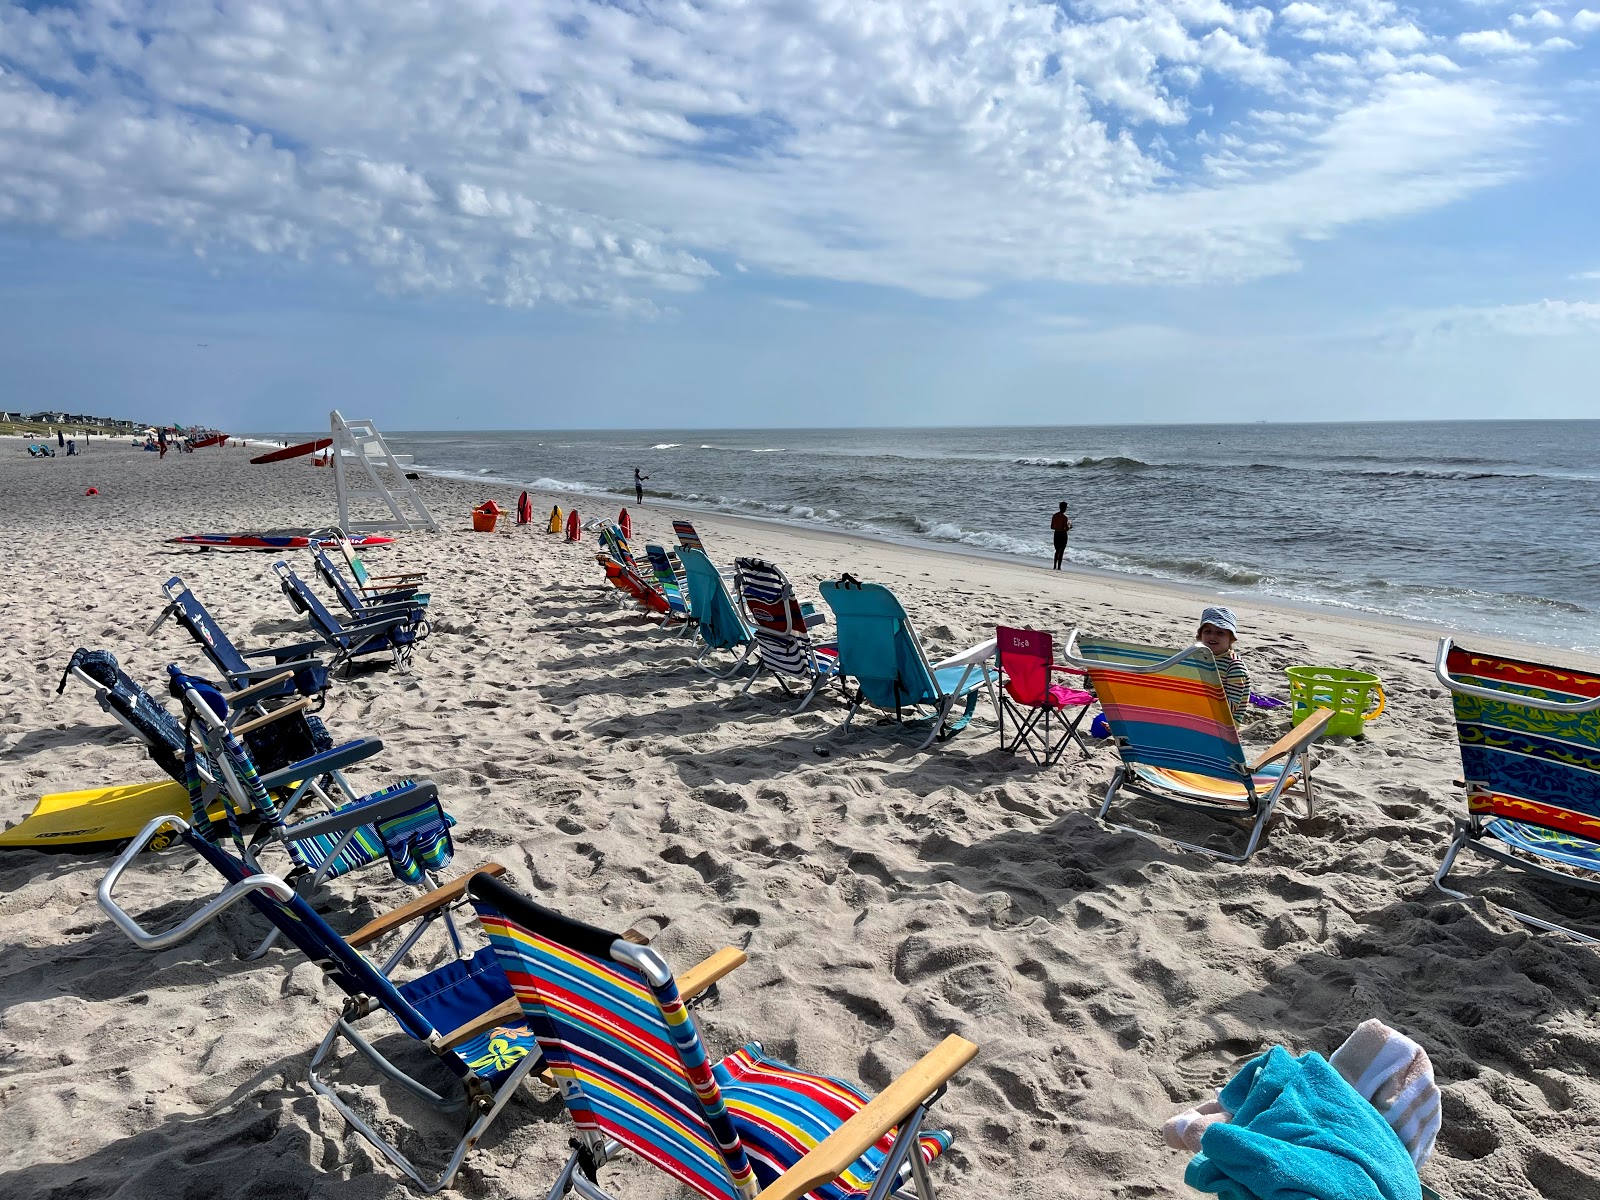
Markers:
point(1060, 523)
point(638, 486)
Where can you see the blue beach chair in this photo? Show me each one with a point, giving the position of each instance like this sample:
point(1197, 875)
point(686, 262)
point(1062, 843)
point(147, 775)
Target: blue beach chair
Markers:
point(622, 1047)
point(311, 675)
point(718, 620)
point(1175, 734)
point(366, 608)
point(413, 835)
point(1530, 754)
point(880, 650)
point(393, 633)
point(463, 1013)
point(782, 629)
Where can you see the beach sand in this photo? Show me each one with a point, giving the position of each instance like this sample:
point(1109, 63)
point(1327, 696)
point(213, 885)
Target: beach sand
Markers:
point(886, 898)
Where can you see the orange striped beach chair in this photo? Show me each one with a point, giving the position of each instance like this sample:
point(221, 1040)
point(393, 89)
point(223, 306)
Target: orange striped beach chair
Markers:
point(1177, 740)
point(616, 1033)
point(1530, 756)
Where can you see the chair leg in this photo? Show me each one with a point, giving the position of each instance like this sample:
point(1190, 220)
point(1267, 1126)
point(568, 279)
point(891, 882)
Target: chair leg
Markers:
point(1463, 832)
point(816, 686)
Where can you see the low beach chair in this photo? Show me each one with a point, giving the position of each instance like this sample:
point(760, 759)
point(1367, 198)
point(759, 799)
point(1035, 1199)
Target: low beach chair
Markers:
point(782, 631)
point(717, 618)
point(366, 607)
point(1026, 688)
point(670, 583)
point(1177, 740)
point(879, 648)
point(688, 539)
point(367, 582)
point(294, 751)
point(630, 585)
point(311, 674)
point(463, 1013)
point(1530, 754)
point(623, 1049)
point(395, 633)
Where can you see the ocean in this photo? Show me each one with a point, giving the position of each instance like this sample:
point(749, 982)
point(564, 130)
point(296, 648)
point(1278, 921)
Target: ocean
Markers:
point(1487, 527)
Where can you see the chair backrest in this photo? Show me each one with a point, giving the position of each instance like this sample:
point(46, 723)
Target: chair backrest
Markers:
point(776, 619)
point(1175, 717)
point(1523, 759)
point(667, 579)
point(624, 578)
point(192, 615)
point(878, 646)
point(335, 578)
point(720, 624)
point(1026, 656)
point(358, 569)
point(304, 600)
point(687, 537)
point(130, 704)
point(616, 544)
point(617, 1037)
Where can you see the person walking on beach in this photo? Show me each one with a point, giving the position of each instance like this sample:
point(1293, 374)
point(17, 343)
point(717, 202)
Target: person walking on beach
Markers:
point(1060, 523)
point(638, 486)
point(161, 440)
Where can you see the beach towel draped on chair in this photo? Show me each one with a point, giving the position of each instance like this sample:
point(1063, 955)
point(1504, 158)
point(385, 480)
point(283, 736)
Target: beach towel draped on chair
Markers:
point(782, 630)
point(879, 649)
point(1177, 740)
point(1029, 689)
point(1530, 755)
point(634, 1075)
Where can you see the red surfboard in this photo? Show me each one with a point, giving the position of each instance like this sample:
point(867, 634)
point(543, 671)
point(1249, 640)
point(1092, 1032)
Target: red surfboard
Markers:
point(290, 451)
point(574, 527)
point(214, 440)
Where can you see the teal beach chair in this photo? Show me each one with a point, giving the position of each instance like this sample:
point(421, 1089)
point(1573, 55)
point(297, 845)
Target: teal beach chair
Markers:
point(1530, 754)
point(1177, 740)
point(718, 621)
point(880, 650)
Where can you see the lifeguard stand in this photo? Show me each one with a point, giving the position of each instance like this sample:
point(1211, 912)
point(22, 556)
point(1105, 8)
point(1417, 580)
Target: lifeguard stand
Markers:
point(365, 470)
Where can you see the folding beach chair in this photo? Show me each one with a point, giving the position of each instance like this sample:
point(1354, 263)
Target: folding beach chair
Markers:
point(392, 633)
point(878, 647)
point(415, 841)
point(630, 584)
point(294, 751)
point(463, 1013)
point(670, 582)
point(718, 620)
point(1530, 753)
point(1028, 691)
point(633, 1074)
point(782, 631)
point(618, 547)
point(368, 607)
point(367, 582)
point(311, 675)
point(1177, 740)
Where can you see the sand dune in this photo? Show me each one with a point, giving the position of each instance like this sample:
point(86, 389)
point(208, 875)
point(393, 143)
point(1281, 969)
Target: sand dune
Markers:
point(886, 898)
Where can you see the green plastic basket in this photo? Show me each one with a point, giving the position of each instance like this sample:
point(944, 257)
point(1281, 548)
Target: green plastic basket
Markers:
point(1349, 693)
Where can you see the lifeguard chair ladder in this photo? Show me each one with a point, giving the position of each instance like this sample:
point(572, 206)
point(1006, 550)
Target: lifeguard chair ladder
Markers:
point(361, 459)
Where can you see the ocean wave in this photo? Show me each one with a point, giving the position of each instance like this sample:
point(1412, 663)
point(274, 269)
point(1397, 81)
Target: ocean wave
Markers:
point(1116, 462)
point(667, 446)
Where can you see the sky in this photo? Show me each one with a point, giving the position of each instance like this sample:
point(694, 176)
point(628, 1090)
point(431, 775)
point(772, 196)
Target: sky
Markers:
point(742, 213)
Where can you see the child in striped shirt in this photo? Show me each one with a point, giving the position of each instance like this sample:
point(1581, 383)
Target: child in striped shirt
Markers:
point(1219, 630)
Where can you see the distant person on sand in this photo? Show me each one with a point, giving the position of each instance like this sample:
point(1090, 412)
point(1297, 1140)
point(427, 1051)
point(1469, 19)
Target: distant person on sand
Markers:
point(638, 486)
point(1060, 523)
point(161, 440)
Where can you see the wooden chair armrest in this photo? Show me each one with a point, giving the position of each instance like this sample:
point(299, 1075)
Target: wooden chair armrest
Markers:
point(277, 714)
point(271, 681)
point(829, 1159)
point(440, 897)
point(401, 575)
point(703, 974)
point(1301, 736)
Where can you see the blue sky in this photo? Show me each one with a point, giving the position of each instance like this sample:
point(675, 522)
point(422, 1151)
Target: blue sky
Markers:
point(542, 213)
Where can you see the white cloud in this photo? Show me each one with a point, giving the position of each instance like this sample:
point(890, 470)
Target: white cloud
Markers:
point(1541, 18)
point(1586, 20)
point(1492, 41)
point(1539, 319)
point(598, 155)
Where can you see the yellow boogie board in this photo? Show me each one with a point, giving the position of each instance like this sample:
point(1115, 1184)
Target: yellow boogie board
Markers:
point(98, 818)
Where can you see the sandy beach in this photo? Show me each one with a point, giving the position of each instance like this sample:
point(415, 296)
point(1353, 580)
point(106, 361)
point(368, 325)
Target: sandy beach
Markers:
point(886, 898)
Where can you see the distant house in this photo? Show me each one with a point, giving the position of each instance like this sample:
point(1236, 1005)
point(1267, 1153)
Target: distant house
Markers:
point(14, 417)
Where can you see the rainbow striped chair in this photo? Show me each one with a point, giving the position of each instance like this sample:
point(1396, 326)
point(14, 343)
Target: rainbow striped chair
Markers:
point(1530, 752)
point(617, 1037)
point(1178, 743)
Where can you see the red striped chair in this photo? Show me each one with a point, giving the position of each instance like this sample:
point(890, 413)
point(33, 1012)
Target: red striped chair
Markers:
point(1177, 740)
point(616, 1034)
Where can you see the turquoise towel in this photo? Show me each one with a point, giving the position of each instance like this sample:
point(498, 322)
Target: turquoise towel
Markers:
point(1300, 1132)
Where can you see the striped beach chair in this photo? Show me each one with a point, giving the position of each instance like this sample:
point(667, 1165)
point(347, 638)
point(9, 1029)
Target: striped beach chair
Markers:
point(687, 537)
point(1530, 755)
point(618, 1038)
point(1177, 740)
point(671, 582)
point(880, 650)
point(461, 1014)
point(782, 629)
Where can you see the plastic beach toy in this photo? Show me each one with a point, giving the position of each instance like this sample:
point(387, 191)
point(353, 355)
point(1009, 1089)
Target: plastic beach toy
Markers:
point(1349, 693)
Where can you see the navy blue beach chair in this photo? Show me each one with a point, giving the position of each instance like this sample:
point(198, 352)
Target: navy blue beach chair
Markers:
point(395, 633)
point(311, 675)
